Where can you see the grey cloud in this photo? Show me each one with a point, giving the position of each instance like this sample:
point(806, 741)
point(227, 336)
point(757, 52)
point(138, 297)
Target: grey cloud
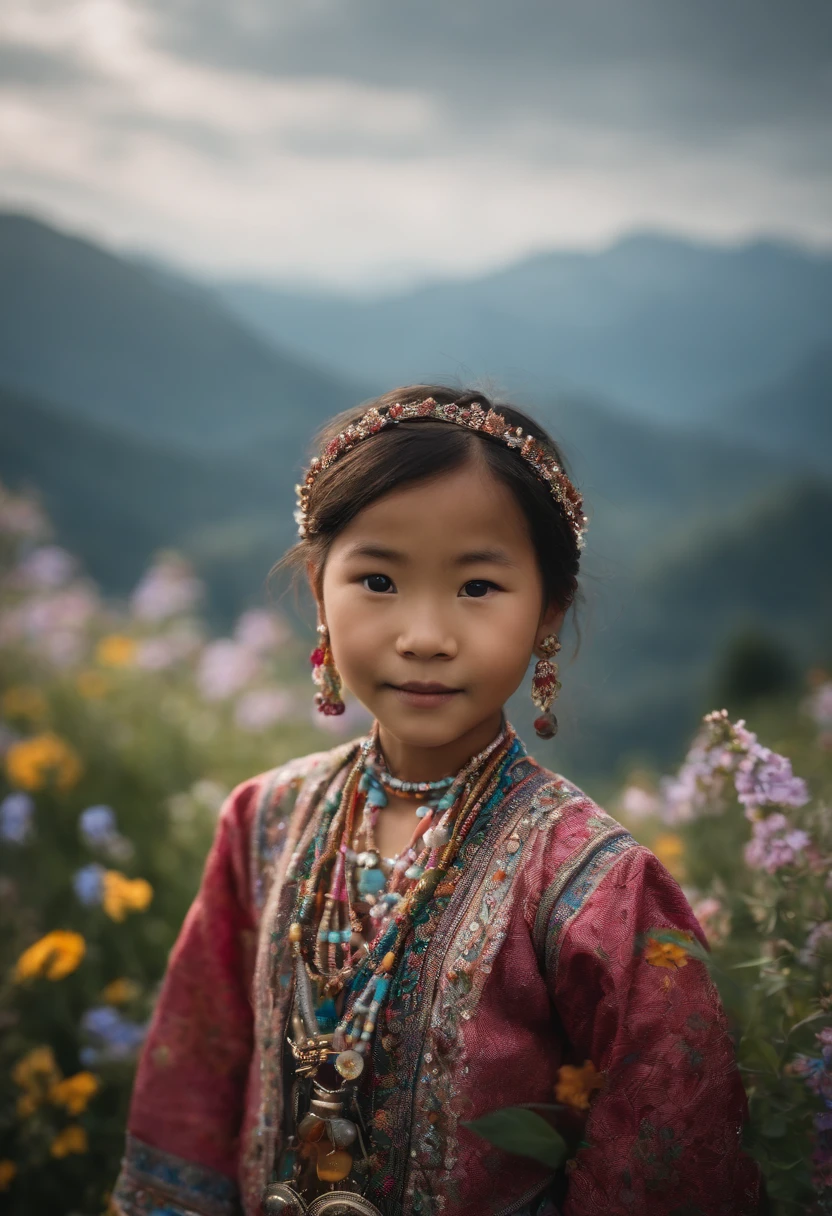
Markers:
point(663, 66)
point(35, 68)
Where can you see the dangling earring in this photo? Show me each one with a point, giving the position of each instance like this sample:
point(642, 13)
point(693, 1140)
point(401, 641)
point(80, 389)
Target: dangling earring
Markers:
point(545, 687)
point(325, 676)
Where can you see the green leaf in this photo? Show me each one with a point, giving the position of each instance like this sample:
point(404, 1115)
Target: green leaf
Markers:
point(774, 1127)
point(516, 1130)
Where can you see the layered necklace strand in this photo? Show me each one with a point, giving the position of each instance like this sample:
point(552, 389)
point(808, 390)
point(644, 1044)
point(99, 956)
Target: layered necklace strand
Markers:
point(327, 935)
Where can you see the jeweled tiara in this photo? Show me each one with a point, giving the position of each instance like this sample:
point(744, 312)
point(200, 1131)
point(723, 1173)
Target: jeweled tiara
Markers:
point(475, 418)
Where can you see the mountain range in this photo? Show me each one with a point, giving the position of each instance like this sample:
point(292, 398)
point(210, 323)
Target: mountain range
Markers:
point(149, 412)
point(666, 327)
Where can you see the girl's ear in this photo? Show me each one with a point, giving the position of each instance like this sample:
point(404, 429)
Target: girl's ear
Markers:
point(313, 576)
point(550, 623)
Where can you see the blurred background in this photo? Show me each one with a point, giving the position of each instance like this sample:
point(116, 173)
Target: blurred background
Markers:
point(222, 223)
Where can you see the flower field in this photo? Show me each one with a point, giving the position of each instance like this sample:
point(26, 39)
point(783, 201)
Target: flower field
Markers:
point(122, 729)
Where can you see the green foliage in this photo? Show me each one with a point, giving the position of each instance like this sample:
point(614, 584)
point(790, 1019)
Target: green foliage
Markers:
point(515, 1129)
point(138, 719)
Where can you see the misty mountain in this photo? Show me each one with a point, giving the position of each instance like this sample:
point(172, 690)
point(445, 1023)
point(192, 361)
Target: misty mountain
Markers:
point(661, 325)
point(117, 344)
point(792, 417)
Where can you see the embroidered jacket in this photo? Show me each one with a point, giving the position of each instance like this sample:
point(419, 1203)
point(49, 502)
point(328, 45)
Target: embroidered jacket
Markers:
point(537, 957)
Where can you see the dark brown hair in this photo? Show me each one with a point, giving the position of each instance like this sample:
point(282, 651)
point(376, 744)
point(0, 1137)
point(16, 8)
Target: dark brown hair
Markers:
point(417, 449)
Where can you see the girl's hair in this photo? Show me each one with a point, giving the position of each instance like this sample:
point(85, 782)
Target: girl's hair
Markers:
point(416, 450)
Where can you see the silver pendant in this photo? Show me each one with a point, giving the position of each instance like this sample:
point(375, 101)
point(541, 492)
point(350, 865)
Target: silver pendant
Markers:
point(280, 1200)
point(342, 1203)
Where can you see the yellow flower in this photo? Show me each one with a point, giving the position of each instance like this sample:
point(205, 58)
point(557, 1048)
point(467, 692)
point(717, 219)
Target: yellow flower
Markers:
point(72, 1139)
point(37, 1065)
point(75, 1092)
point(575, 1086)
point(36, 1073)
point(92, 685)
point(31, 763)
point(670, 848)
point(123, 895)
point(115, 650)
point(666, 954)
point(55, 956)
point(24, 701)
point(120, 992)
point(8, 1169)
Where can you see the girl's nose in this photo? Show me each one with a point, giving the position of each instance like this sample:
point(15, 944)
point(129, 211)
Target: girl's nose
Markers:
point(425, 636)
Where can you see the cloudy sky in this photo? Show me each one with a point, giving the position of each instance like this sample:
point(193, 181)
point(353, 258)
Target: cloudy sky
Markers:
point(360, 142)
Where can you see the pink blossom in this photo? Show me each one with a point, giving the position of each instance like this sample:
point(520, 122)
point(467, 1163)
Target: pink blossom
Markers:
point(764, 778)
point(262, 707)
point(166, 649)
point(818, 942)
point(774, 843)
point(168, 588)
point(261, 631)
point(224, 668)
point(637, 803)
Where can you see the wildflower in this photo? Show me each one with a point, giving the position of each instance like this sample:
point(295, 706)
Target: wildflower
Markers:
point(819, 705)
point(88, 884)
point(224, 668)
point(575, 1086)
point(92, 685)
point(115, 1036)
point(261, 708)
point(37, 1069)
point(31, 763)
point(54, 956)
point(24, 701)
point(670, 848)
point(46, 567)
point(637, 803)
point(764, 778)
point(16, 811)
point(98, 824)
point(74, 1093)
point(120, 992)
point(818, 944)
point(666, 954)
point(20, 517)
point(167, 589)
point(73, 1139)
point(713, 918)
point(8, 1170)
point(122, 895)
point(774, 843)
point(116, 650)
point(261, 631)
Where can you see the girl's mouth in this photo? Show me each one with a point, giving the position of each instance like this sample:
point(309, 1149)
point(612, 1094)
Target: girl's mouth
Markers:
point(424, 695)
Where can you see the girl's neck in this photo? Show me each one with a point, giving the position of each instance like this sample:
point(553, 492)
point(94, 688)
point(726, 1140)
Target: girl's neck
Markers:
point(412, 763)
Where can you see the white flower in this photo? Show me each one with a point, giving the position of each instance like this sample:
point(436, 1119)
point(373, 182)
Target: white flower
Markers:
point(224, 668)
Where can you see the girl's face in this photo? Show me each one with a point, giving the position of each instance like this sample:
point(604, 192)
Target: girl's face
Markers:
point(433, 599)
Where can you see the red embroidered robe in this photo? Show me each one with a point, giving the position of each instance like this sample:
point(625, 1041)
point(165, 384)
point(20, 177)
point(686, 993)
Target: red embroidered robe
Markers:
point(539, 959)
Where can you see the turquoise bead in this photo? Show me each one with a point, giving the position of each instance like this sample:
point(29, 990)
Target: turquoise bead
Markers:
point(446, 802)
point(370, 882)
point(414, 871)
point(377, 796)
point(334, 936)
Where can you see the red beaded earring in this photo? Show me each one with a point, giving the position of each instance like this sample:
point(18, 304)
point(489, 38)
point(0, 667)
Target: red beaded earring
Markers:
point(325, 676)
point(545, 687)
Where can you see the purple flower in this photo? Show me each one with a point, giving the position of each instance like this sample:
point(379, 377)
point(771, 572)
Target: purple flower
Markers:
point(818, 943)
point(88, 884)
point(46, 568)
point(774, 843)
point(167, 589)
point(16, 811)
point(117, 1037)
point(261, 708)
point(224, 668)
point(261, 631)
point(764, 778)
point(98, 825)
point(819, 705)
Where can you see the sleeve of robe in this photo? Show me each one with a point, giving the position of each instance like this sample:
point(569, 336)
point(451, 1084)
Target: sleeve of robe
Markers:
point(663, 1132)
point(187, 1105)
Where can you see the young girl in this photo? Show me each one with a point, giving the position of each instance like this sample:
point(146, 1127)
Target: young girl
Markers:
point(407, 932)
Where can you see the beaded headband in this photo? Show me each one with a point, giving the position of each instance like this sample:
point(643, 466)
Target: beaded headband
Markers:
point(474, 418)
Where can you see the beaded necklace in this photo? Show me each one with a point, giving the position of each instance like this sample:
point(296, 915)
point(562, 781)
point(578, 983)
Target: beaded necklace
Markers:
point(329, 950)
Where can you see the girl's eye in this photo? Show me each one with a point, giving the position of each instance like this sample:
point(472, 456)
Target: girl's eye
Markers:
point(477, 588)
point(378, 582)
